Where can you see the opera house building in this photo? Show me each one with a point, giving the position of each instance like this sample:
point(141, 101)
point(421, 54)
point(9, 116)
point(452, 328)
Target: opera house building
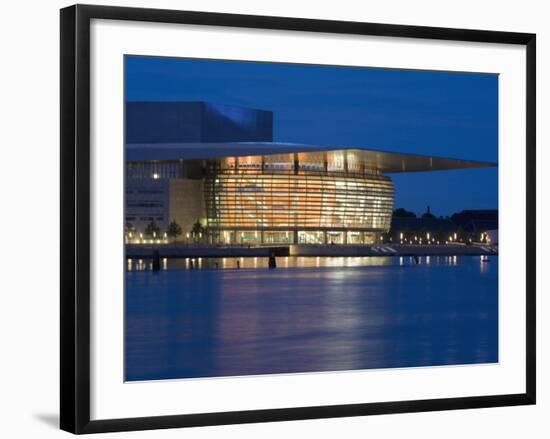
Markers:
point(195, 161)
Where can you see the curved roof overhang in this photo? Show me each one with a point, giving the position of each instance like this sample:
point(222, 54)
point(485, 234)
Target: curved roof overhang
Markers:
point(385, 161)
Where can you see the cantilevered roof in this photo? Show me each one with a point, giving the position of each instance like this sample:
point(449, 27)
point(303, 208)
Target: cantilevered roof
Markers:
point(386, 161)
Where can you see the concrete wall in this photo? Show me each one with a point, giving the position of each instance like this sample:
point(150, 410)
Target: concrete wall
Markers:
point(224, 123)
point(392, 250)
point(146, 200)
point(186, 203)
point(174, 122)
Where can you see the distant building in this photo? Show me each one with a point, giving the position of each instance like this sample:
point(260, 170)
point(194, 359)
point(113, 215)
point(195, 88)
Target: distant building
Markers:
point(218, 164)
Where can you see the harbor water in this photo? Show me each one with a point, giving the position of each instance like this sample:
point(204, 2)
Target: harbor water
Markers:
point(208, 318)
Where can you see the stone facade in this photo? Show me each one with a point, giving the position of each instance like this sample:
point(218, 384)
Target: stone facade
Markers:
point(186, 204)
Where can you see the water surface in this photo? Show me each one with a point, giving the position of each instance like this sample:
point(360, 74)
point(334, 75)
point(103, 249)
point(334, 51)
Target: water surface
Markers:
point(317, 314)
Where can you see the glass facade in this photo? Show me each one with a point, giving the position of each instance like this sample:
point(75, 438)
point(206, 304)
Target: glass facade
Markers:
point(318, 198)
point(315, 198)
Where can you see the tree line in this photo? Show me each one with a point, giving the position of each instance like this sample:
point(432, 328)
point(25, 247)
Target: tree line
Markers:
point(173, 231)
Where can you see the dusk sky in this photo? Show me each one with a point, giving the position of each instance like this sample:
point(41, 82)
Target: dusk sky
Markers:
point(419, 112)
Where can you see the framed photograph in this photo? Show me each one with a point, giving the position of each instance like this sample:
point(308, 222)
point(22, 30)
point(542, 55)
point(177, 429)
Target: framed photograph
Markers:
point(268, 219)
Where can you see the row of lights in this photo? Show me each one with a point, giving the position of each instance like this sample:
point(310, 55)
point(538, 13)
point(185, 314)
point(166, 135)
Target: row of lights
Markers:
point(452, 238)
point(484, 237)
point(429, 239)
point(161, 239)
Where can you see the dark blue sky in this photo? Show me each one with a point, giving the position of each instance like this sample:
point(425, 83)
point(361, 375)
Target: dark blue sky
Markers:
point(420, 112)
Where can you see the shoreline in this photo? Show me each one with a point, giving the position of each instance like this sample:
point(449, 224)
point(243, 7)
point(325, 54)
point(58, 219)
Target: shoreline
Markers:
point(133, 251)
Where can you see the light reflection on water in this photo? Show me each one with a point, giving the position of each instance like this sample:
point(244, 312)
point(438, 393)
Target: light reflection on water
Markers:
point(285, 262)
point(321, 314)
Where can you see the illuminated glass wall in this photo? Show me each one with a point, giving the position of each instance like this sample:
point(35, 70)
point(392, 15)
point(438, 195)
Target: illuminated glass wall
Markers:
point(308, 198)
point(289, 193)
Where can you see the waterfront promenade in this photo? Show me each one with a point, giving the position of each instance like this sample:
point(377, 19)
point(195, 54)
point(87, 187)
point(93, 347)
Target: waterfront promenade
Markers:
point(141, 251)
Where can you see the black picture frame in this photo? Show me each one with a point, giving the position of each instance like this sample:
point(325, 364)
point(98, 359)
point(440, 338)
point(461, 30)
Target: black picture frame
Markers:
point(75, 217)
